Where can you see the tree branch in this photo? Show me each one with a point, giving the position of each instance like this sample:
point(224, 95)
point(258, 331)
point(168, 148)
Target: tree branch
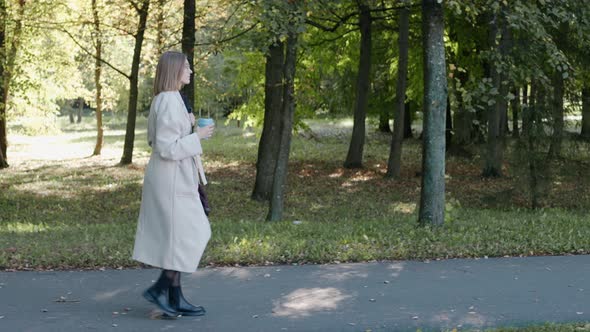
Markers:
point(323, 41)
point(229, 38)
point(343, 20)
point(94, 55)
point(134, 4)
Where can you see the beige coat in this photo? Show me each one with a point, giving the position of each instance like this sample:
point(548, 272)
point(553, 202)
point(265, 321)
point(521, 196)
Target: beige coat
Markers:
point(173, 230)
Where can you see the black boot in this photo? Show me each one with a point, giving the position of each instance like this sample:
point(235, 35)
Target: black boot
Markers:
point(181, 305)
point(158, 293)
point(160, 298)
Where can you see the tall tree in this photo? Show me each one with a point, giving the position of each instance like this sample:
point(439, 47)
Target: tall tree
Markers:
point(586, 111)
point(7, 61)
point(515, 106)
point(97, 77)
point(395, 153)
point(558, 76)
point(496, 111)
point(558, 120)
point(141, 7)
point(354, 158)
point(532, 129)
point(432, 197)
point(188, 47)
point(273, 100)
point(525, 107)
point(3, 140)
point(275, 212)
point(160, 18)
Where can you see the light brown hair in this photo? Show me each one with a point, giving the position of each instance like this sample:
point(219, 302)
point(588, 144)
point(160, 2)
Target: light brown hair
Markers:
point(169, 71)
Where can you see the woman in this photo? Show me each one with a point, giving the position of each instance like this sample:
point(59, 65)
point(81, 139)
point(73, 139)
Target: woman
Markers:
point(173, 230)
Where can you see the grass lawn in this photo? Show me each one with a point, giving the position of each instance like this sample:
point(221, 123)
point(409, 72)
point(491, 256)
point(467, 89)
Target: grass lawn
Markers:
point(61, 208)
point(546, 328)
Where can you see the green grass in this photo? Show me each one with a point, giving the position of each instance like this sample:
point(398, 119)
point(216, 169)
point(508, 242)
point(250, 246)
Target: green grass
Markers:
point(73, 211)
point(548, 327)
point(574, 327)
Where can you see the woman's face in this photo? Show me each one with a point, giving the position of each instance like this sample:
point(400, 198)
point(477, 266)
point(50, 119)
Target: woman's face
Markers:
point(185, 76)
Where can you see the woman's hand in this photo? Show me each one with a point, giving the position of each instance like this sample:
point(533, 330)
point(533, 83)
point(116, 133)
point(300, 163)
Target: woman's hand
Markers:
point(205, 132)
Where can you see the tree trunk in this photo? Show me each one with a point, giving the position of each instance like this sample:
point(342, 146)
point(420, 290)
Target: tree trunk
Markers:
point(384, 122)
point(395, 152)
point(188, 47)
point(432, 196)
point(97, 74)
point(504, 129)
point(79, 110)
point(449, 125)
point(463, 119)
point(3, 87)
point(275, 212)
point(557, 108)
point(496, 113)
point(586, 112)
point(160, 27)
point(526, 107)
point(273, 100)
point(515, 105)
point(407, 120)
point(133, 88)
point(493, 167)
point(531, 124)
point(8, 60)
point(354, 159)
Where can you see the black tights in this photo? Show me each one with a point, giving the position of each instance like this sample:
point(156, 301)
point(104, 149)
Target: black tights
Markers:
point(168, 278)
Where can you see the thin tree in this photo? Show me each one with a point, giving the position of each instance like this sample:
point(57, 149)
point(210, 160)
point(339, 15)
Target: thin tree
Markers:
point(496, 112)
point(142, 9)
point(586, 111)
point(354, 158)
point(558, 81)
point(275, 212)
point(160, 18)
point(3, 140)
point(515, 106)
point(395, 153)
point(97, 76)
point(7, 62)
point(273, 100)
point(532, 128)
point(188, 47)
point(432, 197)
point(558, 120)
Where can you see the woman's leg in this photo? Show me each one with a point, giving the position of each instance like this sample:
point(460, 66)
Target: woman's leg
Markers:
point(179, 303)
point(159, 292)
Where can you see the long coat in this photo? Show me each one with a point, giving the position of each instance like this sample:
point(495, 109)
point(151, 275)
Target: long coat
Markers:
point(173, 230)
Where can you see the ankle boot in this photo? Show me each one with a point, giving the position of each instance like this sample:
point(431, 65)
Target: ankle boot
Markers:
point(181, 305)
point(159, 297)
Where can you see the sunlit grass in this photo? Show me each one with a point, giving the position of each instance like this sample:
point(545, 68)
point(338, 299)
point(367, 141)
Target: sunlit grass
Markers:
point(24, 227)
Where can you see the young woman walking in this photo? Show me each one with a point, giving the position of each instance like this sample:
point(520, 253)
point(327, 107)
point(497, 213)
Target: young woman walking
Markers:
point(173, 230)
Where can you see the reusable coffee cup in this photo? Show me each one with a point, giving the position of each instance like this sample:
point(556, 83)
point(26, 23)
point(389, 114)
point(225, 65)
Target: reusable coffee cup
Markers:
point(204, 122)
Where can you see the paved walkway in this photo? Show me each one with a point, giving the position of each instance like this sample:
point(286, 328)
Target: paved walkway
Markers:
point(392, 296)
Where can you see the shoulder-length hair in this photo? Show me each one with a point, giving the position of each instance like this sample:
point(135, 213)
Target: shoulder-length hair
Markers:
point(169, 71)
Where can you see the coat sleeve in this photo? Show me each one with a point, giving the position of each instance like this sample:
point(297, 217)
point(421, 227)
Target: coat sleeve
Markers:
point(169, 140)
